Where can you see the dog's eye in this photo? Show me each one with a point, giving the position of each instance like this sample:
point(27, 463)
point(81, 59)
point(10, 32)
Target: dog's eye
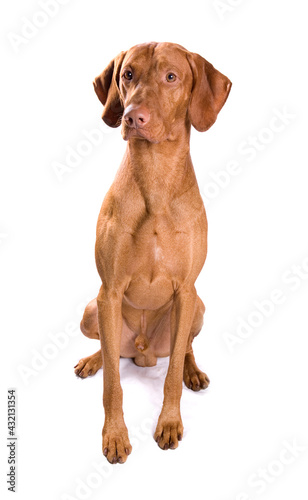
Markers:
point(170, 77)
point(128, 75)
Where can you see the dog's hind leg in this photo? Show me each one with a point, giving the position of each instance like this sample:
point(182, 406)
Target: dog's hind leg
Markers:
point(194, 378)
point(89, 327)
point(89, 322)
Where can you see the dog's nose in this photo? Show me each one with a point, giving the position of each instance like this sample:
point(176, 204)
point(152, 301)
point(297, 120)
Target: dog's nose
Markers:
point(136, 117)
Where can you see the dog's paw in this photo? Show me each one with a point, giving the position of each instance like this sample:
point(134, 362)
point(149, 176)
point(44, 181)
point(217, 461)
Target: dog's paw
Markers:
point(169, 432)
point(196, 380)
point(89, 366)
point(116, 445)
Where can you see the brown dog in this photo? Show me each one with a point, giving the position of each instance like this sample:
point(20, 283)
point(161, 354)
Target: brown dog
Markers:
point(152, 231)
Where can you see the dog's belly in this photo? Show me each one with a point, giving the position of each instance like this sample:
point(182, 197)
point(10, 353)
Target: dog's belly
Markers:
point(147, 295)
point(147, 302)
point(154, 328)
point(158, 341)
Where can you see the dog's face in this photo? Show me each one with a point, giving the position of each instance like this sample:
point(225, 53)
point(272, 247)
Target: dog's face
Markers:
point(157, 80)
point(152, 89)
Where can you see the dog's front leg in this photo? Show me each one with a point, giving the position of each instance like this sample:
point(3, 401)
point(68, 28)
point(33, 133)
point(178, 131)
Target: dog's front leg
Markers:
point(169, 428)
point(116, 445)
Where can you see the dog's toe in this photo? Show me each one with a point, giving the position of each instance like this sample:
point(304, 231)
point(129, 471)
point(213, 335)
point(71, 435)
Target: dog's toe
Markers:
point(116, 446)
point(87, 367)
point(195, 379)
point(168, 433)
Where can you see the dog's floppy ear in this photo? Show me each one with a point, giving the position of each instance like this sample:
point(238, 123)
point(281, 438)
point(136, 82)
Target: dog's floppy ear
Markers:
point(106, 86)
point(209, 93)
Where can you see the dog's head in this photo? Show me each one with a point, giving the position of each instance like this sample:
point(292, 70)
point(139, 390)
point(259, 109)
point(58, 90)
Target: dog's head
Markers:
point(153, 88)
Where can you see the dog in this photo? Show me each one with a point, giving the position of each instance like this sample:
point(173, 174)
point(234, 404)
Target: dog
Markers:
point(151, 240)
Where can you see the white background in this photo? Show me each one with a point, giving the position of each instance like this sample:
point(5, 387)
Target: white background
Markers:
point(257, 399)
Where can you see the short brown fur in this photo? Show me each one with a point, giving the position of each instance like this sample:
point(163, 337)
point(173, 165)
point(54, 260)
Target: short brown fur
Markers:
point(152, 231)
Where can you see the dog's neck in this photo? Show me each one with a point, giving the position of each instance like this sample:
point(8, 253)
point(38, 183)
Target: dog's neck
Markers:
point(162, 171)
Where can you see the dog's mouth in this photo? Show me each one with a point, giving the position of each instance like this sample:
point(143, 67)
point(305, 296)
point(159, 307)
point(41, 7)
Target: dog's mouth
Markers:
point(130, 132)
point(141, 133)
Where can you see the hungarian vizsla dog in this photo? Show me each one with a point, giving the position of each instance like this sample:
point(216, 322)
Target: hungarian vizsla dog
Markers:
point(152, 231)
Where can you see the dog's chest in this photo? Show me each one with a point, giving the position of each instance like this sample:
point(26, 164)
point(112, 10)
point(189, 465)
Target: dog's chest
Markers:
point(162, 254)
point(152, 253)
point(163, 247)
